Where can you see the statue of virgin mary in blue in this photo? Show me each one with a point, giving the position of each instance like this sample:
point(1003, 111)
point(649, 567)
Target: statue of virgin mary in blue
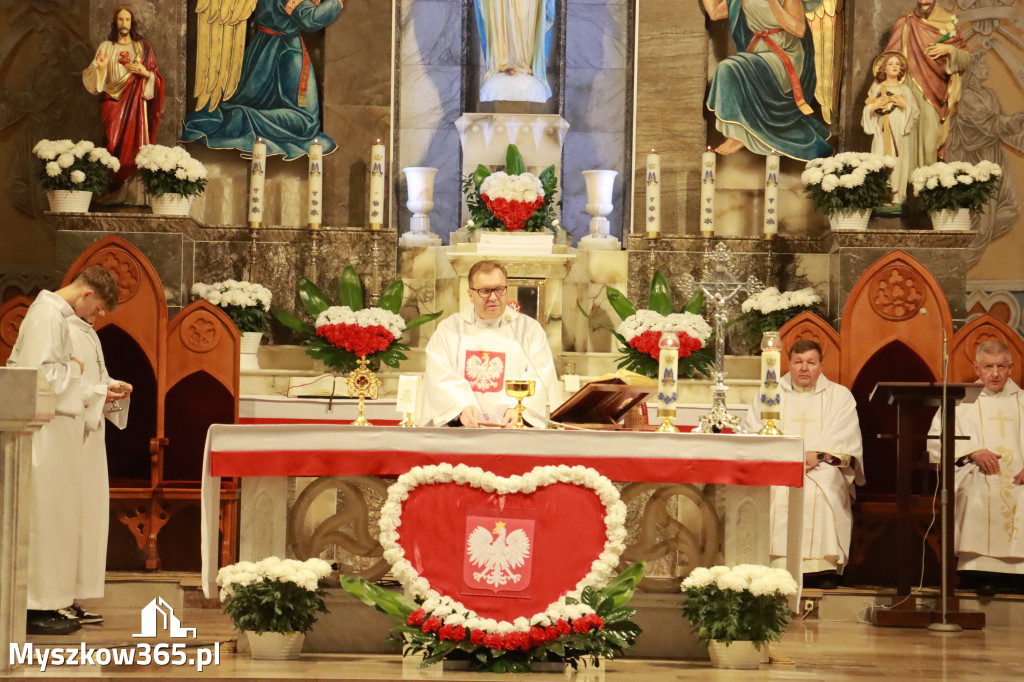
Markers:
point(265, 90)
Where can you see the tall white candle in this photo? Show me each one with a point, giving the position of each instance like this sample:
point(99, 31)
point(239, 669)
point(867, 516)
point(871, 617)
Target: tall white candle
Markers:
point(708, 172)
point(257, 182)
point(771, 365)
point(652, 212)
point(771, 195)
point(377, 167)
point(315, 185)
point(668, 364)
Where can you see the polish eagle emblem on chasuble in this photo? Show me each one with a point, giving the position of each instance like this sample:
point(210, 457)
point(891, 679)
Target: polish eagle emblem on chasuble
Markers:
point(485, 371)
point(498, 553)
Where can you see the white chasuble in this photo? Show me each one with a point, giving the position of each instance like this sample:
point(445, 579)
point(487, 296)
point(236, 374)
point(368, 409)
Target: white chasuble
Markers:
point(469, 360)
point(826, 418)
point(55, 498)
point(989, 508)
point(94, 516)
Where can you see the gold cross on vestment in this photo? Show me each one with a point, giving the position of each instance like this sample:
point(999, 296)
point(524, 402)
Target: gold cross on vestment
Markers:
point(1002, 422)
point(803, 420)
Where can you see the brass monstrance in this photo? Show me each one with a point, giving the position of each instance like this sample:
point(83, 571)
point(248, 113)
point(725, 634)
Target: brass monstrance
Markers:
point(520, 389)
point(364, 383)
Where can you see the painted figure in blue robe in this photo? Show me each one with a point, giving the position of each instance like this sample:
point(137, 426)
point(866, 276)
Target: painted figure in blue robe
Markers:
point(761, 96)
point(265, 89)
point(515, 36)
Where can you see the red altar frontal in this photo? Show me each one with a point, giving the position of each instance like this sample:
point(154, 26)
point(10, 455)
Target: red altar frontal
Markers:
point(266, 455)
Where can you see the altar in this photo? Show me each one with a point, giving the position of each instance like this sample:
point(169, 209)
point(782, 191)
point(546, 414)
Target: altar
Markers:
point(739, 467)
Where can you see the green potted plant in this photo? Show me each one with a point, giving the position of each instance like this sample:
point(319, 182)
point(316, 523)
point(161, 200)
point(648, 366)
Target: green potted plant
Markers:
point(737, 609)
point(247, 304)
point(72, 172)
point(172, 178)
point(274, 602)
point(847, 186)
point(949, 192)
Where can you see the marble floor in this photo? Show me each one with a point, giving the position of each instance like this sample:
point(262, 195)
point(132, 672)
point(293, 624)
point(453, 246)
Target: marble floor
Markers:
point(811, 650)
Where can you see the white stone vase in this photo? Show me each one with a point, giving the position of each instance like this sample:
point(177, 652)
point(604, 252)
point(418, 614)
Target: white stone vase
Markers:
point(170, 204)
point(249, 350)
point(850, 220)
point(275, 646)
point(420, 182)
point(739, 655)
point(952, 220)
point(69, 200)
point(600, 184)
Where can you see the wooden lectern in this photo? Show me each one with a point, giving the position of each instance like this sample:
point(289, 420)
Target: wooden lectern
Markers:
point(909, 397)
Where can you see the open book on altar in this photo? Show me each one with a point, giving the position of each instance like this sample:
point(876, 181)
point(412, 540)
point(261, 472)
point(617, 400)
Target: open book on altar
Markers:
point(603, 402)
point(323, 386)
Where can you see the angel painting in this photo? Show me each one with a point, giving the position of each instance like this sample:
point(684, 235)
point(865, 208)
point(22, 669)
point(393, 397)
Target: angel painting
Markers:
point(890, 117)
point(263, 87)
point(762, 96)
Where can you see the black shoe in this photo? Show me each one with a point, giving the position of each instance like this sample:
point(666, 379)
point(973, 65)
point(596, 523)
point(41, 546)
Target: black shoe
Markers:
point(84, 616)
point(985, 589)
point(50, 623)
point(827, 580)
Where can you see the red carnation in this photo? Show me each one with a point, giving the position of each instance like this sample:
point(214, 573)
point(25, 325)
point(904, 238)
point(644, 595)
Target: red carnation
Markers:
point(580, 626)
point(550, 632)
point(476, 637)
point(416, 617)
point(513, 214)
point(459, 633)
point(446, 632)
point(492, 641)
point(361, 341)
point(595, 621)
point(431, 624)
point(538, 635)
point(563, 627)
point(647, 343)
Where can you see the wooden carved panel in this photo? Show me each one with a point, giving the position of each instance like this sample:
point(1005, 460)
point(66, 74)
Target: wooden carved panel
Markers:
point(11, 315)
point(965, 342)
point(202, 338)
point(811, 327)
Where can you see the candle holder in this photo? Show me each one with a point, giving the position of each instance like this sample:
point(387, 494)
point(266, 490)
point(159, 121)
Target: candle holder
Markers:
point(520, 389)
point(408, 422)
point(364, 383)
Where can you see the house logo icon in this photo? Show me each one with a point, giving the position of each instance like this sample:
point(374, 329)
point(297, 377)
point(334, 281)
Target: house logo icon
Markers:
point(158, 615)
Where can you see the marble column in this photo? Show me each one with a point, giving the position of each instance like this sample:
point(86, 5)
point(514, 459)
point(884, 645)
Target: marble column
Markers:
point(25, 405)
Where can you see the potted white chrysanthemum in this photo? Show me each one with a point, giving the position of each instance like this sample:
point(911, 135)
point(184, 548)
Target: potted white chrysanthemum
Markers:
point(847, 186)
point(274, 602)
point(247, 304)
point(171, 178)
point(73, 171)
point(949, 192)
point(737, 609)
point(769, 309)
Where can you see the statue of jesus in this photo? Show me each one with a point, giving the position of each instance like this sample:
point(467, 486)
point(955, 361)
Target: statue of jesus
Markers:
point(515, 36)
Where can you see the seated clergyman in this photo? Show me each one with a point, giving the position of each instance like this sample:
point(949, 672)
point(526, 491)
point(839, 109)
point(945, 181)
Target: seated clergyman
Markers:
point(825, 414)
point(473, 352)
point(989, 540)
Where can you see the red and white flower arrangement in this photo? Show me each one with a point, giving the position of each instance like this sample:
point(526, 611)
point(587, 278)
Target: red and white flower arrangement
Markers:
point(362, 332)
point(512, 200)
point(642, 331)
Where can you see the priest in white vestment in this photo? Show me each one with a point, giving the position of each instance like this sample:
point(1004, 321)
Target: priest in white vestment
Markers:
point(989, 540)
point(44, 342)
point(473, 352)
point(102, 401)
point(825, 414)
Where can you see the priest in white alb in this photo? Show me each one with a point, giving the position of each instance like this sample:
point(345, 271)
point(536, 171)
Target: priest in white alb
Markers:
point(825, 414)
point(989, 540)
point(472, 353)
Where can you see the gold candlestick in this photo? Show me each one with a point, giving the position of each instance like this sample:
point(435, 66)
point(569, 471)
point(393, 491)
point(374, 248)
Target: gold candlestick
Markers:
point(363, 383)
point(519, 389)
point(408, 421)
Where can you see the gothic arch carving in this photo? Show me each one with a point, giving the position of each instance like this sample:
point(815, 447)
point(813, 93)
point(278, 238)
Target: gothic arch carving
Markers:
point(885, 306)
point(812, 327)
point(985, 327)
point(11, 315)
point(202, 337)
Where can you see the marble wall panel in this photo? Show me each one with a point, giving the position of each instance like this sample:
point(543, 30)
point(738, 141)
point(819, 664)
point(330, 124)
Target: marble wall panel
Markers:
point(355, 128)
point(357, 58)
point(433, 96)
point(431, 32)
point(585, 285)
point(597, 36)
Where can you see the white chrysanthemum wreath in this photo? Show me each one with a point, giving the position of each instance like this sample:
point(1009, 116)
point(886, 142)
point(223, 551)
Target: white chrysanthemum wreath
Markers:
point(452, 612)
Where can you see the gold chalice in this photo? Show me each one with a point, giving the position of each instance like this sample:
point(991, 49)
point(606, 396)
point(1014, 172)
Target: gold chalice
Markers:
point(519, 389)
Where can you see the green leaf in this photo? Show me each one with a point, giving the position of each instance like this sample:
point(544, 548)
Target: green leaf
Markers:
point(695, 304)
point(548, 180)
point(621, 588)
point(313, 299)
point(350, 289)
point(423, 319)
point(660, 297)
point(514, 161)
point(394, 604)
point(292, 322)
point(620, 304)
point(439, 653)
point(479, 175)
point(391, 299)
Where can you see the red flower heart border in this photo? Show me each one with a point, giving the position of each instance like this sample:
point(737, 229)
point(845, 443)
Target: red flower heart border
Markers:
point(454, 613)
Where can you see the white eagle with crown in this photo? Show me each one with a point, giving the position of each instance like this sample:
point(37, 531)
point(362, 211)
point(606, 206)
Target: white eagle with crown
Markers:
point(485, 371)
point(497, 556)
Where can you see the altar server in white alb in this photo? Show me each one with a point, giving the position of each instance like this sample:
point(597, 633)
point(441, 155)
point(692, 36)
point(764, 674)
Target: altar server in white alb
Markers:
point(989, 538)
point(825, 414)
point(473, 352)
point(104, 399)
point(44, 342)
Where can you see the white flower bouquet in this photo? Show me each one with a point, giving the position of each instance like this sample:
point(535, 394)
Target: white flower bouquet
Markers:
point(170, 170)
point(81, 166)
point(511, 200)
point(848, 182)
point(273, 595)
point(741, 603)
point(954, 185)
point(769, 309)
point(246, 303)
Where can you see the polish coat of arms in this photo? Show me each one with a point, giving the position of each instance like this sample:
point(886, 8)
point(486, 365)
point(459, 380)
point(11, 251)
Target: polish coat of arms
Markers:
point(498, 554)
point(485, 371)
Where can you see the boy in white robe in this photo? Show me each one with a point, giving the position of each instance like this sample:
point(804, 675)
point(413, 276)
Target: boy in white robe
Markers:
point(473, 352)
point(44, 342)
point(989, 511)
point(825, 414)
point(100, 396)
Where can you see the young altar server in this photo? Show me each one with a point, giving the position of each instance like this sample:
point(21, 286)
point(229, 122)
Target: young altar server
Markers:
point(103, 398)
point(473, 352)
point(825, 414)
point(989, 541)
point(44, 342)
